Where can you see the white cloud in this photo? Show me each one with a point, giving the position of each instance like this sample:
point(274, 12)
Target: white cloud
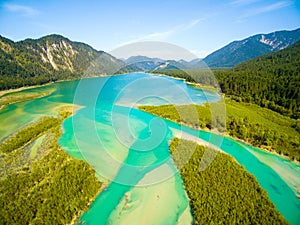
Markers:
point(161, 36)
point(22, 9)
point(265, 9)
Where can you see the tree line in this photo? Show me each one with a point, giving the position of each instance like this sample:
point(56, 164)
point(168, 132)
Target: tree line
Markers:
point(224, 193)
point(271, 81)
point(245, 121)
point(52, 188)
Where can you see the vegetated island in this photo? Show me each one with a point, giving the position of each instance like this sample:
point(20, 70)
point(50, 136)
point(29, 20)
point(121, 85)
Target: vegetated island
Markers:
point(14, 97)
point(258, 126)
point(223, 193)
point(40, 183)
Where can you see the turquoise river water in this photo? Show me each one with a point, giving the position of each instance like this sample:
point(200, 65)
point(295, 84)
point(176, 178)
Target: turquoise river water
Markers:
point(129, 148)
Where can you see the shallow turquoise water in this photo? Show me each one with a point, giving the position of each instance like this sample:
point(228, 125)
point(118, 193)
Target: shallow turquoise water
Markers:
point(130, 147)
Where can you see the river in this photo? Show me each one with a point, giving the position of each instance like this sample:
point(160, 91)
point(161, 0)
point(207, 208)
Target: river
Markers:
point(129, 148)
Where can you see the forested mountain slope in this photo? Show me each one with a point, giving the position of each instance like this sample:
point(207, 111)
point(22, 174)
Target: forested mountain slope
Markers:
point(50, 58)
point(272, 81)
point(249, 48)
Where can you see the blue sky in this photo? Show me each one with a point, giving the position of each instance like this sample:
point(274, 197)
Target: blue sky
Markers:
point(201, 26)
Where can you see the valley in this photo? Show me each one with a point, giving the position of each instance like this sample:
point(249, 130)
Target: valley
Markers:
point(90, 138)
point(109, 171)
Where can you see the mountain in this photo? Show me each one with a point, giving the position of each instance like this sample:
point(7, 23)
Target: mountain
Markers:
point(143, 63)
point(271, 80)
point(170, 65)
point(197, 63)
point(139, 58)
point(240, 51)
point(50, 58)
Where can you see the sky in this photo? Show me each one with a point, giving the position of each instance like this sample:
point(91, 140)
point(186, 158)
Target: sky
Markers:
point(199, 26)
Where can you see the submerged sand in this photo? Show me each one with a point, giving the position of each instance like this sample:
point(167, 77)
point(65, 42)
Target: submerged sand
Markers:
point(161, 203)
point(287, 170)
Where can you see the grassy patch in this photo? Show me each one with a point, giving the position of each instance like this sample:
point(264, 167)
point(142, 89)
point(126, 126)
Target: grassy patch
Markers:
point(20, 96)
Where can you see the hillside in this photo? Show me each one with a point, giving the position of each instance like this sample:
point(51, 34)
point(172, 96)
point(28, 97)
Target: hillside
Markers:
point(143, 63)
point(50, 58)
point(240, 51)
point(271, 81)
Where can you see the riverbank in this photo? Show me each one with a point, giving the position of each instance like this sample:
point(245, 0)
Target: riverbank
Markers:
point(285, 170)
point(186, 136)
point(4, 92)
point(226, 134)
point(59, 97)
point(18, 97)
point(76, 218)
point(44, 179)
point(248, 123)
point(193, 84)
point(215, 194)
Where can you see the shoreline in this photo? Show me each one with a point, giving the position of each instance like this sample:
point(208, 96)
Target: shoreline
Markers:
point(225, 134)
point(193, 84)
point(271, 151)
point(76, 218)
point(3, 92)
point(9, 91)
point(13, 90)
point(23, 98)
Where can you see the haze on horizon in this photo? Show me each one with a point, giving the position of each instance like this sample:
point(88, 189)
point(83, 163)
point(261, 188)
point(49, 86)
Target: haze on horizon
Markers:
point(198, 26)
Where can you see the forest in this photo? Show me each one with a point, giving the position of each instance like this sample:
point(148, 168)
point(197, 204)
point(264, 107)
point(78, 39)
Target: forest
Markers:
point(271, 81)
point(49, 186)
point(258, 126)
point(224, 193)
point(27, 63)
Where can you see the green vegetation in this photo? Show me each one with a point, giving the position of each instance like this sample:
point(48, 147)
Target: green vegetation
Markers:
point(203, 77)
point(27, 134)
point(22, 65)
point(242, 50)
point(260, 127)
point(185, 114)
point(175, 73)
point(224, 193)
point(48, 59)
point(19, 96)
point(47, 187)
point(270, 81)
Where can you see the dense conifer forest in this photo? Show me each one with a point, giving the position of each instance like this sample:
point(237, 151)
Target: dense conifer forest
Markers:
point(40, 183)
point(258, 126)
point(224, 193)
point(271, 81)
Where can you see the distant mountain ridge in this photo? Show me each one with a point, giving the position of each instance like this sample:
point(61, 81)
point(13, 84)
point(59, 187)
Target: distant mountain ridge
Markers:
point(144, 63)
point(229, 56)
point(54, 57)
point(271, 81)
point(50, 58)
point(240, 51)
